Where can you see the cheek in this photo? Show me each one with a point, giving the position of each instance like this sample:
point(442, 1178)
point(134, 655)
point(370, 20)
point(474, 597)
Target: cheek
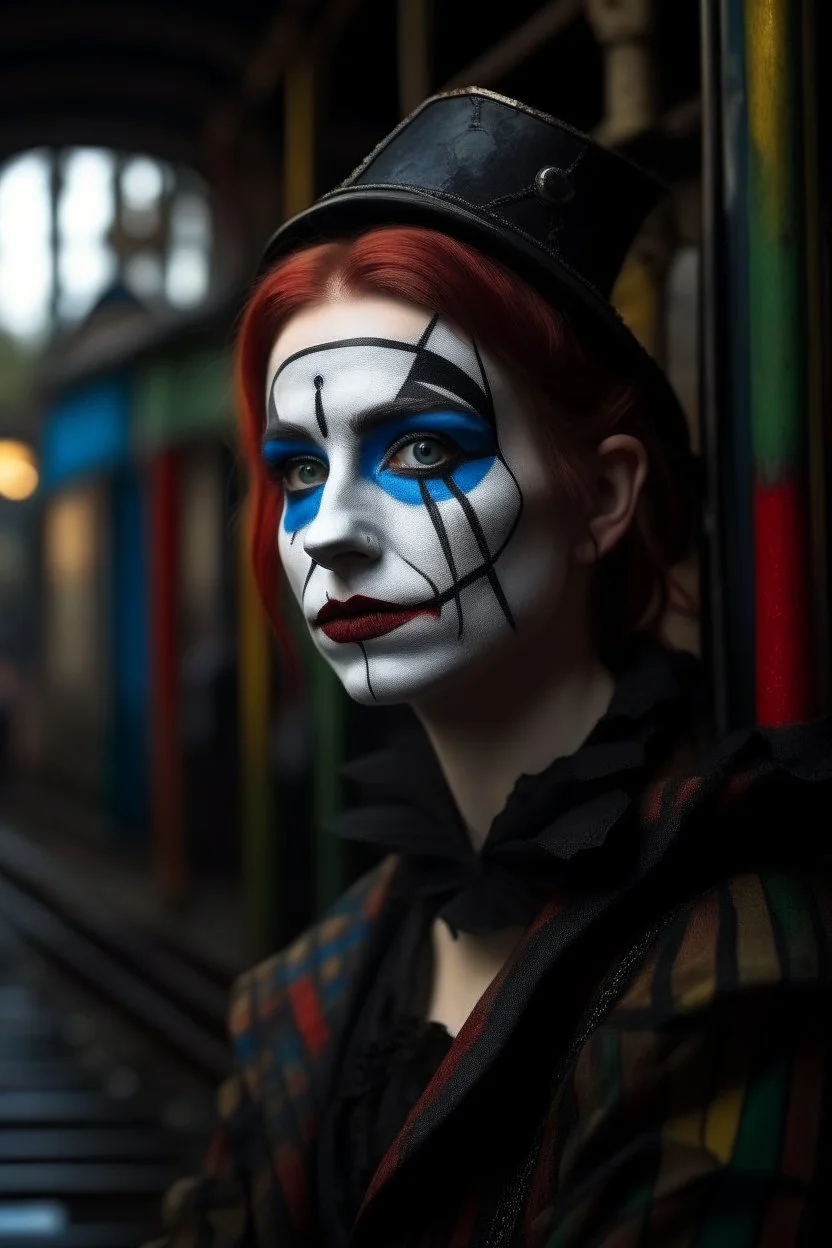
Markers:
point(294, 560)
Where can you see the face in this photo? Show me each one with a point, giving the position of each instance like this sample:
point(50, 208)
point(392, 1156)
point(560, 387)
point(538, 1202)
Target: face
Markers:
point(419, 532)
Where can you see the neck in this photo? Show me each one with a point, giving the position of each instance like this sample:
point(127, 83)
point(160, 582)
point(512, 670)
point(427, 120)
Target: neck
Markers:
point(490, 733)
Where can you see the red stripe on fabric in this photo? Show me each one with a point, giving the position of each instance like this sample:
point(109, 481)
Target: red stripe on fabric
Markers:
point(389, 1163)
point(781, 1226)
point(653, 801)
point(783, 634)
point(470, 1032)
point(306, 1011)
point(803, 1119)
point(686, 791)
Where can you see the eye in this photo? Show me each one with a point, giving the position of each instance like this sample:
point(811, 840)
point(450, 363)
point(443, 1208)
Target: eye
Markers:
point(301, 474)
point(423, 453)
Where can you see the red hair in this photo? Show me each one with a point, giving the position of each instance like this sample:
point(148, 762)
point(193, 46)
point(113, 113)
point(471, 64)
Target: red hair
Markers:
point(579, 397)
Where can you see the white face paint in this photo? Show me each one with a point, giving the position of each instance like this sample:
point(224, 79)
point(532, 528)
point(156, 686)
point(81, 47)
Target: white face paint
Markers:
point(418, 533)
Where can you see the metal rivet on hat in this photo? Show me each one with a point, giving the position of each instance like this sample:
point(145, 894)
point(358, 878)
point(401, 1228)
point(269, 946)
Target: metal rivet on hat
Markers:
point(553, 186)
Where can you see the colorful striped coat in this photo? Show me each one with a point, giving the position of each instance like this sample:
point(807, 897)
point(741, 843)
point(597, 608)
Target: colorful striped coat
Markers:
point(653, 1067)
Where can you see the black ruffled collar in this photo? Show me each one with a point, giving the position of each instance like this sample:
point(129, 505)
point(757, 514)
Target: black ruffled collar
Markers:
point(571, 817)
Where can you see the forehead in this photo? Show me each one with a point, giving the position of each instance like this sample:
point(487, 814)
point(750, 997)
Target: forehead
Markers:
point(357, 354)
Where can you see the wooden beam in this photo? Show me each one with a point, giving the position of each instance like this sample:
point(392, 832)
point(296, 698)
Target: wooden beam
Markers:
point(289, 36)
point(116, 127)
point(276, 49)
point(199, 37)
point(299, 136)
point(679, 122)
point(551, 20)
point(330, 26)
point(64, 85)
point(413, 37)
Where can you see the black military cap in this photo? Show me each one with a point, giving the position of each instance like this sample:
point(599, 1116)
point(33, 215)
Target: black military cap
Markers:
point(547, 201)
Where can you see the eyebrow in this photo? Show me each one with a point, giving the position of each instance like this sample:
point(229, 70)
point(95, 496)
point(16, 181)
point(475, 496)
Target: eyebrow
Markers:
point(372, 417)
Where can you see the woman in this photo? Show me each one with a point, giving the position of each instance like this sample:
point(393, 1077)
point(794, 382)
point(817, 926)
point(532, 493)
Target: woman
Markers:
point(585, 999)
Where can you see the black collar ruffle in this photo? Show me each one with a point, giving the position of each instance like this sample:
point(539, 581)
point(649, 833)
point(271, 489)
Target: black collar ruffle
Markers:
point(571, 817)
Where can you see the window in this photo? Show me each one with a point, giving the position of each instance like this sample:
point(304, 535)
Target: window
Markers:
point(78, 221)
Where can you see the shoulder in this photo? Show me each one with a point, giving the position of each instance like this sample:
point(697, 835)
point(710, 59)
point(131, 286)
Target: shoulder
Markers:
point(763, 929)
point(309, 975)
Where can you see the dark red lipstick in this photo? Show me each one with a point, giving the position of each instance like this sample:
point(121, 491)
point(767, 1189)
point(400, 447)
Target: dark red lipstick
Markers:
point(360, 618)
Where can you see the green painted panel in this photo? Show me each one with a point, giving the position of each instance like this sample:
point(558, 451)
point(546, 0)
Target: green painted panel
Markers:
point(180, 397)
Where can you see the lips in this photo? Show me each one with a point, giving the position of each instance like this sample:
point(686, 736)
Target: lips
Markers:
point(361, 619)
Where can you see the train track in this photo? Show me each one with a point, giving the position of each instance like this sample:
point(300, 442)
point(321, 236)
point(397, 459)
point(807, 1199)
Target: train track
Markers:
point(85, 1150)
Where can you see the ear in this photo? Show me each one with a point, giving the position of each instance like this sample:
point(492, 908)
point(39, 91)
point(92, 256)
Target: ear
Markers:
point(620, 472)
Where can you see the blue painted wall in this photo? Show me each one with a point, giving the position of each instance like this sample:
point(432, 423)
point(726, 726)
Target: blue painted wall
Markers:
point(86, 431)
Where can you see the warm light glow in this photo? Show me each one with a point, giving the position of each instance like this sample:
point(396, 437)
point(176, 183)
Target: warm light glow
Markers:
point(18, 471)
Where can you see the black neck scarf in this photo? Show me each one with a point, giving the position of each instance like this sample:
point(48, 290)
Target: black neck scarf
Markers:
point(578, 815)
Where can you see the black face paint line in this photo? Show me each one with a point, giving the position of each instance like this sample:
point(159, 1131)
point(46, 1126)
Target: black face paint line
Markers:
point(436, 521)
point(479, 537)
point(424, 577)
point(319, 407)
point(428, 369)
point(370, 690)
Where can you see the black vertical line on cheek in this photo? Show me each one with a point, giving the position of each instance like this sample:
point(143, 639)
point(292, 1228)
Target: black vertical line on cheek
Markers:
point(312, 566)
point(360, 645)
point(429, 328)
point(424, 576)
point(292, 538)
point(319, 406)
point(436, 521)
point(493, 415)
point(486, 385)
point(476, 528)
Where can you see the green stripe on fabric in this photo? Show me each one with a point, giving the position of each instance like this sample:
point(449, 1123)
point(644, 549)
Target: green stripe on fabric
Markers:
point(788, 902)
point(609, 1067)
point(760, 1134)
point(757, 1149)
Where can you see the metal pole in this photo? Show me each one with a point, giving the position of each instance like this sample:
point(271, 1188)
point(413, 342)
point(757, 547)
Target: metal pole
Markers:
point(728, 551)
point(817, 341)
point(414, 43)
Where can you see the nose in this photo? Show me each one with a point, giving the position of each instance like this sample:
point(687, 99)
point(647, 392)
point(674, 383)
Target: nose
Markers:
point(341, 534)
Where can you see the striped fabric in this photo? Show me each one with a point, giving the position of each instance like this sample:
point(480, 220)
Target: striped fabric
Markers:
point(255, 1183)
point(698, 1115)
point(695, 1113)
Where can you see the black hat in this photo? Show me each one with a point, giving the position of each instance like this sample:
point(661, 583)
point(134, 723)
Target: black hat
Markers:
point(552, 205)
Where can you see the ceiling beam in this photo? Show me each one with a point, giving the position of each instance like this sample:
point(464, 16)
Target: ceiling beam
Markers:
point(291, 34)
point(61, 86)
point(681, 121)
point(73, 128)
point(201, 37)
point(510, 52)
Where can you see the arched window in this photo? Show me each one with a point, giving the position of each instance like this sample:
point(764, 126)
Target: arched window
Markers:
point(75, 221)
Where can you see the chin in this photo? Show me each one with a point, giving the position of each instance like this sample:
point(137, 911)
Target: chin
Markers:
point(393, 681)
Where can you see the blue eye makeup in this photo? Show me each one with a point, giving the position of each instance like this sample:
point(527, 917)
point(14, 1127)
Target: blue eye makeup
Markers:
point(465, 442)
point(288, 460)
point(405, 456)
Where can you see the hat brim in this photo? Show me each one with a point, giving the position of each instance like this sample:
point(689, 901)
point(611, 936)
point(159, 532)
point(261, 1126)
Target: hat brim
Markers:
point(352, 210)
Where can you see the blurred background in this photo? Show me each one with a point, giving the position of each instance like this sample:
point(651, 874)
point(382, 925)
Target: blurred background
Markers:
point(163, 806)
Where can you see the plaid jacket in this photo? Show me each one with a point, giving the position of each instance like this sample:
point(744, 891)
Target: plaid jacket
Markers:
point(651, 1068)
